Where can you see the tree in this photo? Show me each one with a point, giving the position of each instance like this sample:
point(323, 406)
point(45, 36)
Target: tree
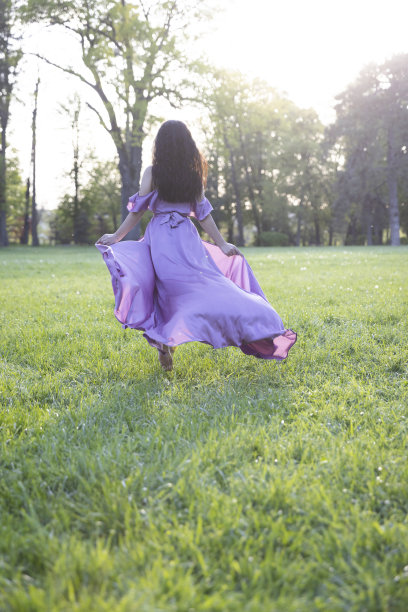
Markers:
point(34, 215)
point(10, 55)
point(26, 218)
point(15, 198)
point(94, 210)
point(267, 156)
point(73, 110)
point(305, 172)
point(131, 54)
point(241, 124)
point(372, 124)
point(102, 194)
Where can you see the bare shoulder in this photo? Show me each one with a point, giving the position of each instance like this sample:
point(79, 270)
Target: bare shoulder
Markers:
point(146, 182)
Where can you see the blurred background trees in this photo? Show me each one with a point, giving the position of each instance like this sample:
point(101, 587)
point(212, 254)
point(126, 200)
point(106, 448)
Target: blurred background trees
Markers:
point(372, 129)
point(93, 209)
point(10, 55)
point(277, 175)
point(131, 54)
point(266, 164)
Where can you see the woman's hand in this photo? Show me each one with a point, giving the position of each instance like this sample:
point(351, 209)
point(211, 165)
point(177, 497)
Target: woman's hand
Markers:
point(230, 249)
point(209, 226)
point(107, 239)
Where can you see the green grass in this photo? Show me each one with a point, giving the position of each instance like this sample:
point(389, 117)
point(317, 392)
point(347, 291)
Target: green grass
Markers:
point(230, 484)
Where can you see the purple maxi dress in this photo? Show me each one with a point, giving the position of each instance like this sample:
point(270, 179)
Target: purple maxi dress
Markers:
point(178, 288)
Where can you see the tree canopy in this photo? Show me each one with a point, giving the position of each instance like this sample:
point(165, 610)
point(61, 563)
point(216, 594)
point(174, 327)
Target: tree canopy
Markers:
point(132, 53)
point(277, 175)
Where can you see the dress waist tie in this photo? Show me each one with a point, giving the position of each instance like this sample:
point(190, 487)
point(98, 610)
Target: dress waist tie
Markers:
point(173, 218)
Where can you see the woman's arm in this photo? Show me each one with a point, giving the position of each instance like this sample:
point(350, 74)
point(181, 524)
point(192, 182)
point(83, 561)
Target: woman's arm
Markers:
point(133, 217)
point(123, 229)
point(209, 226)
point(146, 182)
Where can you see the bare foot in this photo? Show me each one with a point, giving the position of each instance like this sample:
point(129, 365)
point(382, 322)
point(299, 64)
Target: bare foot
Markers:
point(166, 357)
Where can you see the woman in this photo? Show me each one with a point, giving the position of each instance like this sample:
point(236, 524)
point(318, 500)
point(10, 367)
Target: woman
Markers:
point(176, 287)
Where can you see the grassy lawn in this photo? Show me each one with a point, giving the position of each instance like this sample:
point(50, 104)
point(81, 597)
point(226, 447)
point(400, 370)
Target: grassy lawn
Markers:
point(230, 484)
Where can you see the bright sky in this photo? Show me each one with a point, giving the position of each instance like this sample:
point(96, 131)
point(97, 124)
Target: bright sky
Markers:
point(311, 50)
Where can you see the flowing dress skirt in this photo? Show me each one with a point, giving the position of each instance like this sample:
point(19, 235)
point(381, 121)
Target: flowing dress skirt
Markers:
point(177, 288)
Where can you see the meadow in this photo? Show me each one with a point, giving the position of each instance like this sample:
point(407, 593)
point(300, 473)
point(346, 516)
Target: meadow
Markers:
point(229, 484)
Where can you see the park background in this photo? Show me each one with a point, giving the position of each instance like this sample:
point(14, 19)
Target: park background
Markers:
point(300, 111)
point(230, 483)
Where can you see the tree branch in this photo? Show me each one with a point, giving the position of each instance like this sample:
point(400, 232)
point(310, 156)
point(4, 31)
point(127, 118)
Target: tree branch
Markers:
point(145, 12)
point(115, 129)
point(68, 70)
point(97, 86)
point(101, 119)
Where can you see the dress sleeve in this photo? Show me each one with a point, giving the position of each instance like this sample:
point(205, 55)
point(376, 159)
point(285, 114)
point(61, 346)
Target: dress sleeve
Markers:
point(202, 209)
point(137, 203)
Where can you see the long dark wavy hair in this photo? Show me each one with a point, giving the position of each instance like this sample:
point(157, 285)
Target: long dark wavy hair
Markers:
point(179, 170)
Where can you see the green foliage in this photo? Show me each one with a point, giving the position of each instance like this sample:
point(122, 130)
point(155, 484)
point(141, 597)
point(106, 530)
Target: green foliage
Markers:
point(404, 216)
point(131, 55)
point(277, 151)
point(10, 55)
point(274, 161)
point(229, 484)
point(273, 239)
point(372, 131)
point(102, 192)
point(15, 197)
point(98, 207)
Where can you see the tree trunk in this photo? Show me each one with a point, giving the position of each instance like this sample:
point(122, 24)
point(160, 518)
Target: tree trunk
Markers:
point(130, 170)
point(34, 217)
point(240, 238)
point(234, 181)
point(299, 224)
point(317, 230)
point(369, 233)
point(3, 204)
point(393, 189)
point(353, 231)
point(26, 226)
point(331, 234)
point(76, 220)
point(230, 232)
point(255, 210)
point(76, 201)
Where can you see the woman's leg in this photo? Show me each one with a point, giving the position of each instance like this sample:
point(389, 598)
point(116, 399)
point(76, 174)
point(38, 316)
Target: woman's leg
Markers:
point(166, 357)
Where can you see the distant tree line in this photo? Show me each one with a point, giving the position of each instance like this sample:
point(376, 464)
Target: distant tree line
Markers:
point(275, 166)
point(277, 175)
